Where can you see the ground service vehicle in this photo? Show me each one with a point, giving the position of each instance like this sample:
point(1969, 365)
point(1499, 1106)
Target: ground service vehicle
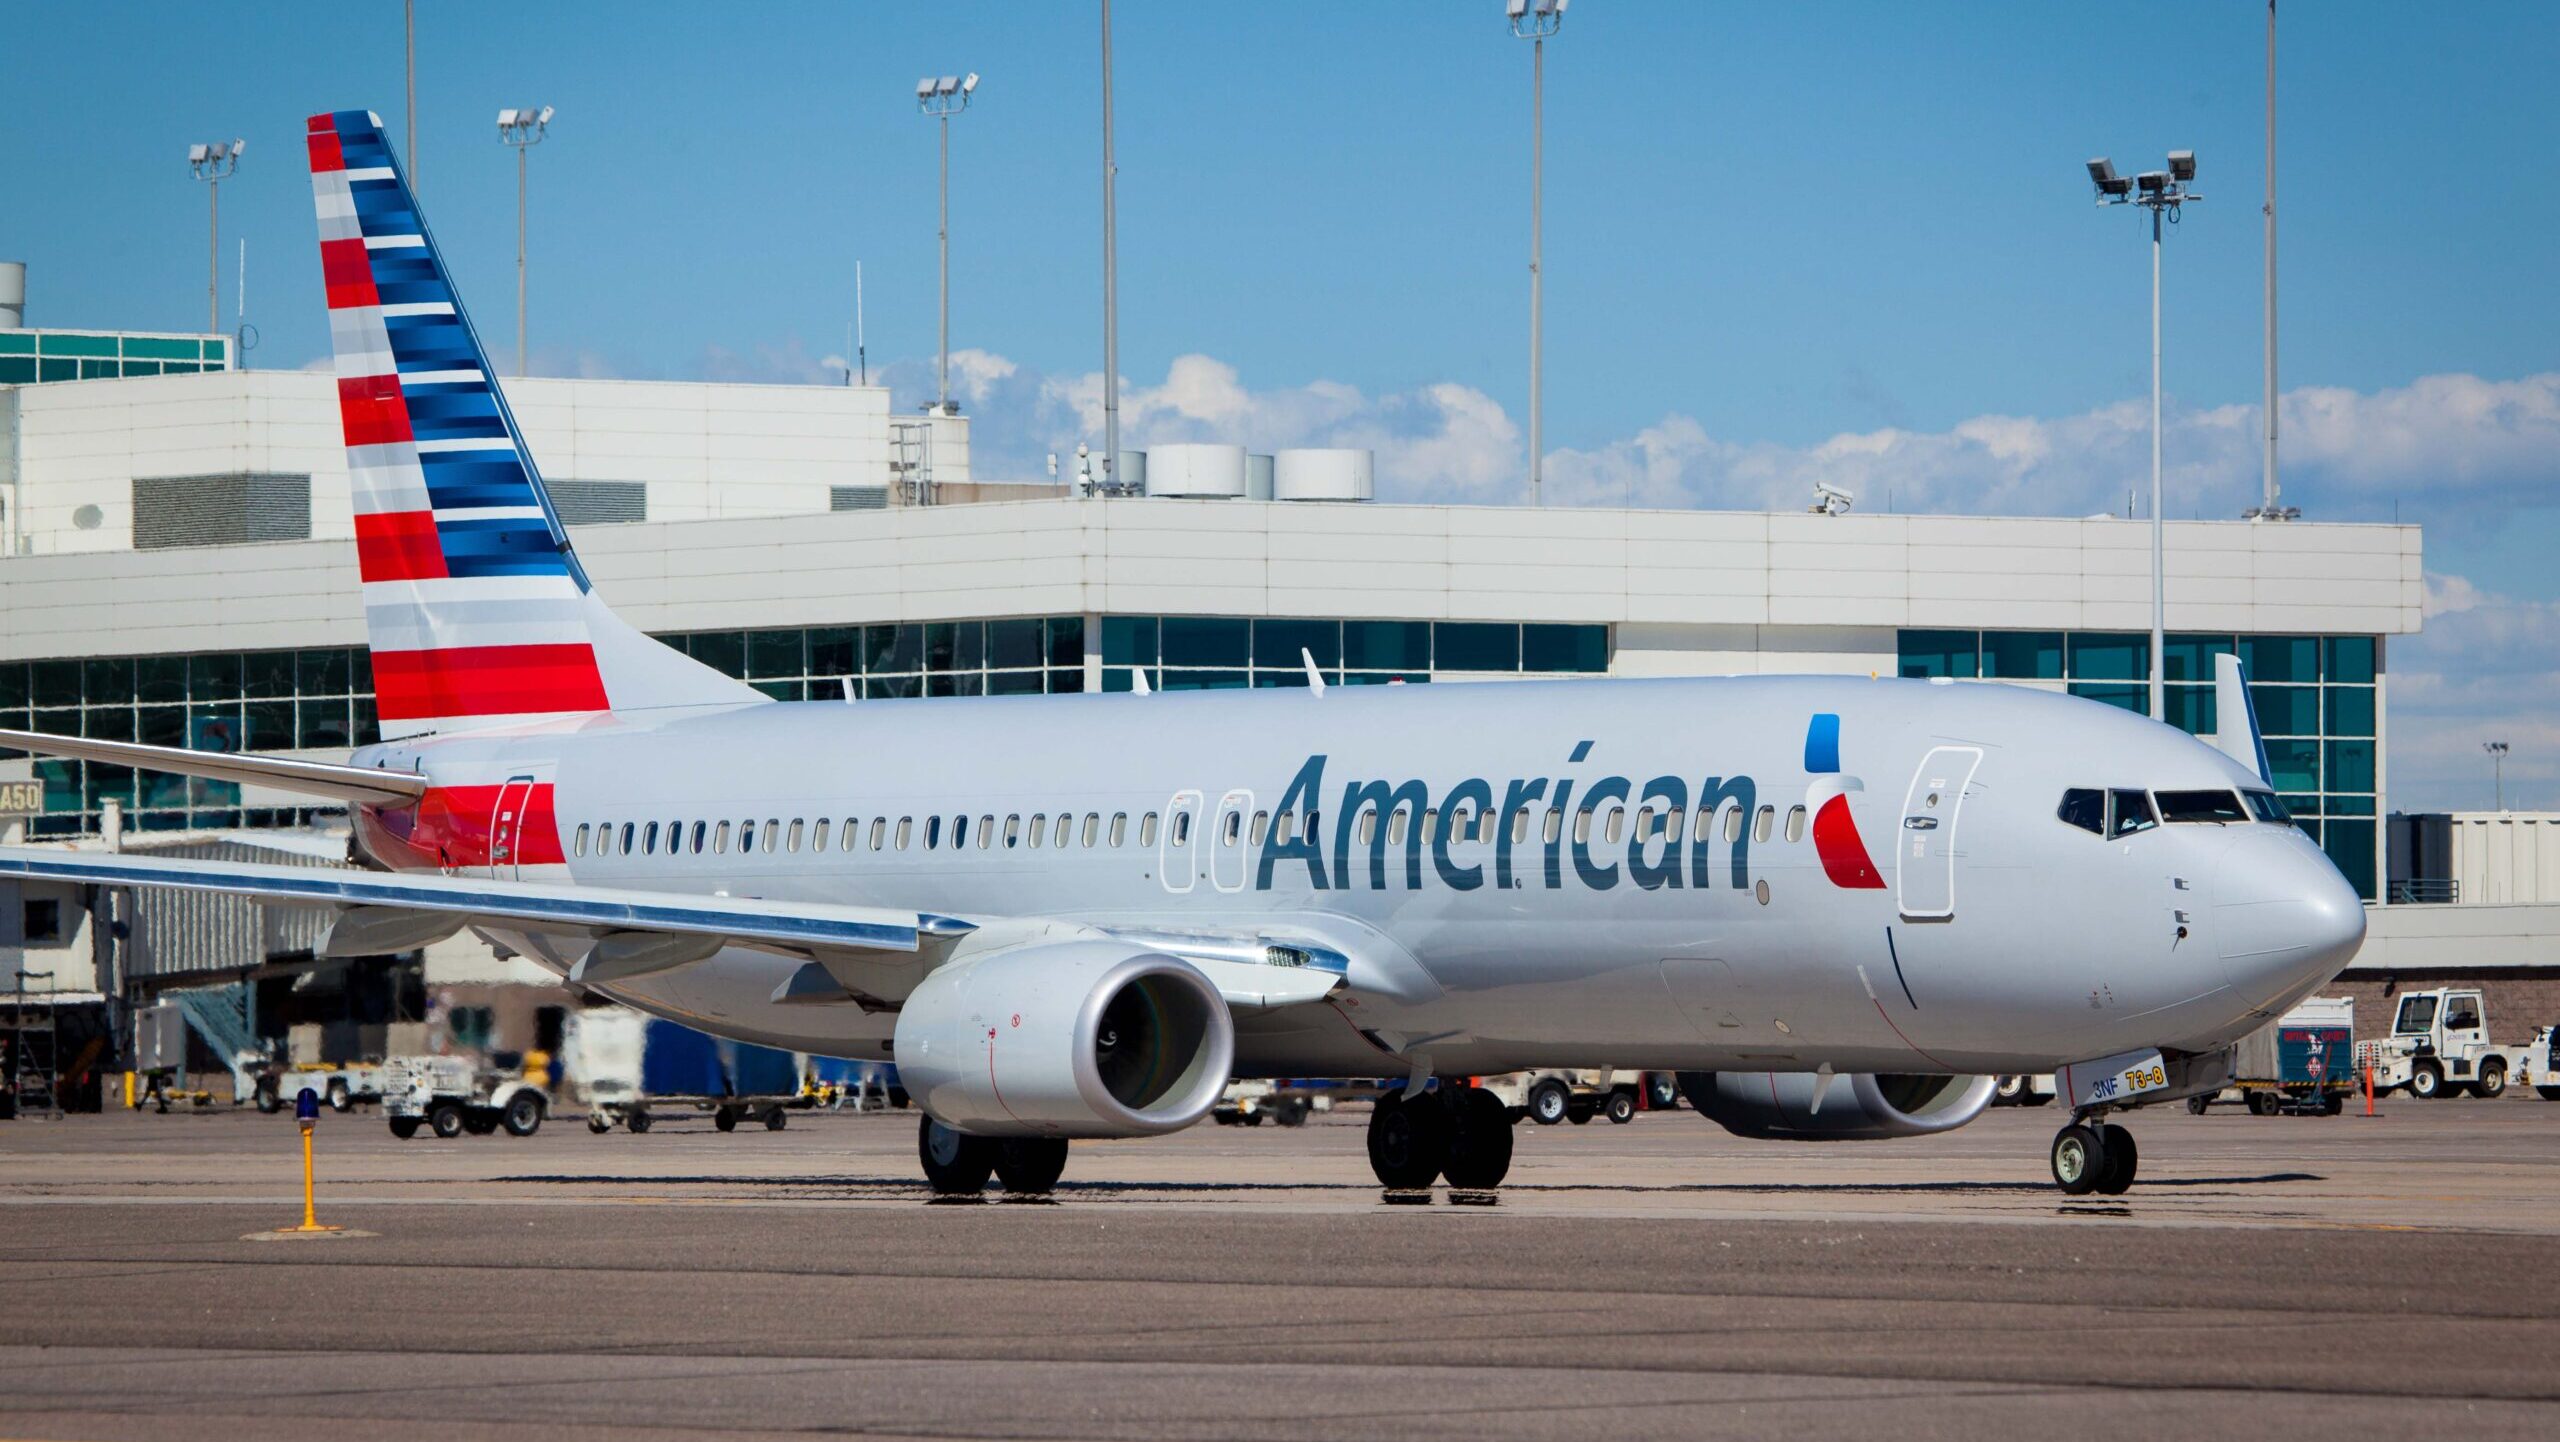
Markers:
point(1831, 904)
point(450, 1095)
point(2439, 1046)
point(631, 1067)
point(2542, 1064)
point(1549, 1097)
point(2303, 1062)
point(2015, 1090)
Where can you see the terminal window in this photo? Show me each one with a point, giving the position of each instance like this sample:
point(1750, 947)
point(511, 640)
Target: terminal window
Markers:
point(1193, 653)
point(2318, 700)
point(1015, 656)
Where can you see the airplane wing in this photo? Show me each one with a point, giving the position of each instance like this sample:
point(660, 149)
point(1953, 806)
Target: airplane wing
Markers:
point(617, 934)
point(309, 778)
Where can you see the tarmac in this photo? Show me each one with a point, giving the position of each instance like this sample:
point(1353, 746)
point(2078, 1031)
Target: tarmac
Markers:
point(1661, 1279)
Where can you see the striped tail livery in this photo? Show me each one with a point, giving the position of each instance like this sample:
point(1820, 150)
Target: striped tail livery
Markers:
point(475, 605)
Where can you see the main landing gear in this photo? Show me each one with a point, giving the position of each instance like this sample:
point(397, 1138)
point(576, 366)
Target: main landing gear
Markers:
point(957, 1164)
point(1460, 1133)
point(2094, 1156)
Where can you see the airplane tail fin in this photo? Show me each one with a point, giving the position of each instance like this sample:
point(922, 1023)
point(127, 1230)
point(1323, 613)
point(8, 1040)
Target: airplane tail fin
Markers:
point(476, 608)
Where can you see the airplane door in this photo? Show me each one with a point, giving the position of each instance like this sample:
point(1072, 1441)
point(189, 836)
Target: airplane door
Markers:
point(506, 826)
point(1228, 841)
point(1925, 851)
point(1178, 845)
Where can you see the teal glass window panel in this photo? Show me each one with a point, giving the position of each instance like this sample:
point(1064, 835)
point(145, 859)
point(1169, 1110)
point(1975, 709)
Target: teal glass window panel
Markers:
point(1195, 679)
point(100, 370)
point(2190, 658)
point(60, 344)
point(2350, 710)
point(2281, 658)
point(2022, 655)
point(213, 677)
point(160, 725)
point(152, 347)
point(49, 369)
point(56, 683)
point(1940, 653)
point(2301, 806)
point(160, 678)
point(268, 725)
point(722, 651)
point(2287, 710)
point(2347, 805)
point(1066, 642)
point(1276, 644)
point(19, 342)
point(1274, 679)
point(1548, 647)
point(2101, 656)
point(892, 688)
point(1014, 644)
point(1207, 641)
point(835, 651)
point(968, 645)
point(61, 721)
point(16, 370)
point(776, 653)
point(1386, 645)
point(217, 350)
point(783, 690)
point(2295, 764)
point(1065, 679)
point(61, 783)
point(1118, 678)
point(2191, 709)
point(955, 683)
point(267, 674)
point(107, 723)
point(13, 684)
point(1475, 646)
point(1384, 678)
point(322, 721)
point(1128, 640)
point(2350, 766)
point(2136, 699)
point(2349, 658)
point(2350, 845)
point(1013, 683)
point(178, 368)
point(213, 728)
point(105, 783)
point(107, 681)
point(368, 724)
point(139, 368)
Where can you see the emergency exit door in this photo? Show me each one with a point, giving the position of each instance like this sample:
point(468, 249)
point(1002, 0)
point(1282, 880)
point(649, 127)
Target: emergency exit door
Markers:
point(1925, 848)
point(506, 826)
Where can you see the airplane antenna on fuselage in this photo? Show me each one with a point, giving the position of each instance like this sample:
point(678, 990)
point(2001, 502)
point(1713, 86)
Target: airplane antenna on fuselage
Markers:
point(846, 682)
point(1138, 681)
point(1315, 678)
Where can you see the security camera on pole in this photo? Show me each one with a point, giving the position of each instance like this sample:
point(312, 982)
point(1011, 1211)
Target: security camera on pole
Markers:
point(2161, 192)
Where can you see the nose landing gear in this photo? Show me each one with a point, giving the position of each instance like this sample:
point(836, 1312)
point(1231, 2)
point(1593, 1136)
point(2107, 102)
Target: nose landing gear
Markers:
point(2094, 1156)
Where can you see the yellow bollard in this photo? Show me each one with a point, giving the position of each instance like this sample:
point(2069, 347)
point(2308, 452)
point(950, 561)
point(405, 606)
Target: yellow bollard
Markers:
point(129, 1103)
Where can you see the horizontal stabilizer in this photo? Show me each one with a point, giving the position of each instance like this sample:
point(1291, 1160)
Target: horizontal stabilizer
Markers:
point(308, 778)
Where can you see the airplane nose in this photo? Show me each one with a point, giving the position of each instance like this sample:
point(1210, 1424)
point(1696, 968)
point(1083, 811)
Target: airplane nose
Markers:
point(2286, 920)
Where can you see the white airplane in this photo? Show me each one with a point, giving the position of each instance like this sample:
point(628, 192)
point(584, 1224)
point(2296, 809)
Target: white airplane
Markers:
point(1079, 916)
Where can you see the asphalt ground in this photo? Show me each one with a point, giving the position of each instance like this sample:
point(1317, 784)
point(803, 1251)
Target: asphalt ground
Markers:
point(1658, 1279)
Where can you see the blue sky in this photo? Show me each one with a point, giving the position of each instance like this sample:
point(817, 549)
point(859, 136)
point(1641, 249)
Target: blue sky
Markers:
point(1767, 228)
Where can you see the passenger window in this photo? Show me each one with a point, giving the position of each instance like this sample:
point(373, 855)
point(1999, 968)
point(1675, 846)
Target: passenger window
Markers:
point(1554, 830)
point(879, 829)
point(579, 847)
point(2129, 812)
point(1644, 823)
point(720, 839)
point(1733, 824)
point(628, 831)
point(1795, 823)
point(1182, 828)
point(932, 832)
point(772, 834)
point(1092, 828)
point(1672, 821)
point(818, 836)
point(906, 827)
point(1233, 829)
point(1582, 826)
point(1315, 823)
point(1430, 825)
point(649, 840)
point(1119, 828)
point(1285, 828)
point(699, 828)
point(1484, 825)
point(792, 841)
point(1368, 826)
point(746, 837)
point(1147, 829)
point(1764, 824)
point(1261, 826)
point(1706, 825)
point(2086, 808)
point(1520, 827)
point(1617, 824)
point(1058, 838)
point(1039, 824)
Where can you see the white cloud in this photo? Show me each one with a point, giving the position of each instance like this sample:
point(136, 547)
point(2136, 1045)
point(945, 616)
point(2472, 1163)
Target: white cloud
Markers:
point(2486, 668)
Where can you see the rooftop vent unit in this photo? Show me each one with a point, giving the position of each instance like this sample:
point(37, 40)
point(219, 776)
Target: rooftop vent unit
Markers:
point(1196, 470)
point(1324, 475)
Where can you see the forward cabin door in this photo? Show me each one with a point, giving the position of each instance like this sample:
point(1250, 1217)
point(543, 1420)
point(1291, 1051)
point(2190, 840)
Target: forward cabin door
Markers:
point(1925, 851)
point(506, 827)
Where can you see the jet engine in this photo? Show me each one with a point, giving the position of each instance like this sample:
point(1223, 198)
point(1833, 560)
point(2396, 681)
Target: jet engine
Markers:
point(1084, 1038)
point(1860, 1106)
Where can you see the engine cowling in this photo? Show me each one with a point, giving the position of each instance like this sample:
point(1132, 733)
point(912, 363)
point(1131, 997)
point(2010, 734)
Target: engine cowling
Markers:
point(1084, 1038)
point(1858, 1106)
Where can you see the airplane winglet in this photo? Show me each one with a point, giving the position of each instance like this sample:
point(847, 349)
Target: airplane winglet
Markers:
point(2241, 742)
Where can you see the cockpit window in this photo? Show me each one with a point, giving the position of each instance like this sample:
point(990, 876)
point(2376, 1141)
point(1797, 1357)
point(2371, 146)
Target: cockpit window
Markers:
point(2265, 806)
point(2086, 808)
point(2129, 812)
point(2201, 806)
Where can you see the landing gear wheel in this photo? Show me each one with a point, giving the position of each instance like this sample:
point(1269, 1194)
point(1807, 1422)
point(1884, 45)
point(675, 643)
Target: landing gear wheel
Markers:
point(2492, 1083)
point(523, 1116)
point(774, 1120)
point(599, 1123)
point(1621, 1108)
point(726, 1119)
point(955, 1163)
point(2079, 1159)
point(2426, 1081)
point(2122, 1157)
point(445, 1120)
point(1548, 1102)
point(1408, 1141)
point(638, 1121)
point(1028, 1166)
point(1479, 1141)
point(404, 1127)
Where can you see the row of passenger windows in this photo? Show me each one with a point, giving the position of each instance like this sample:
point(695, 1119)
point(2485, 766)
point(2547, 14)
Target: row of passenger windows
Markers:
point(2124, 812)
point(1065, 830)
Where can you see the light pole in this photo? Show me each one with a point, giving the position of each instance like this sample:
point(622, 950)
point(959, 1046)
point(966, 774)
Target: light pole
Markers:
point(522, 128)
point(213, 164)
point(1534, 21)
point(2161, 192)
point(941, 98)
point(1110, 282)
point(2498, 762)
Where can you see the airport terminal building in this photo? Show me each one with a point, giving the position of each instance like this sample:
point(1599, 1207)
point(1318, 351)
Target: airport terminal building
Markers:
point(178, 569)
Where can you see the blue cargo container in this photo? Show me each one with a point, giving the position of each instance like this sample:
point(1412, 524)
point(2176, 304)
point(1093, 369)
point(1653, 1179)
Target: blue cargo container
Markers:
point(677, 1061)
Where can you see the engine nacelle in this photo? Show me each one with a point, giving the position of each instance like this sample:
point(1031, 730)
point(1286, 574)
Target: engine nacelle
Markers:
point(1858, 1106)
point(1084, 1038)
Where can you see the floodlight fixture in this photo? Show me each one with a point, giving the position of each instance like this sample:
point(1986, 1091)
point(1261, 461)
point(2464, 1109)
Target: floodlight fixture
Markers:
point(939, 98)
point(947, 85)
point(2182, 165)
point(924, 87)
point(545, 117)
point(198, 154)
point(2111, 186)
point(970, 85)
point(1514, 9)
point(522, 126)
point(213, 162)
point(2153, 182)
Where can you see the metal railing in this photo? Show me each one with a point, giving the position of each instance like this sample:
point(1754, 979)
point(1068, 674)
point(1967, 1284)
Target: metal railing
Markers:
point(2425, 890)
